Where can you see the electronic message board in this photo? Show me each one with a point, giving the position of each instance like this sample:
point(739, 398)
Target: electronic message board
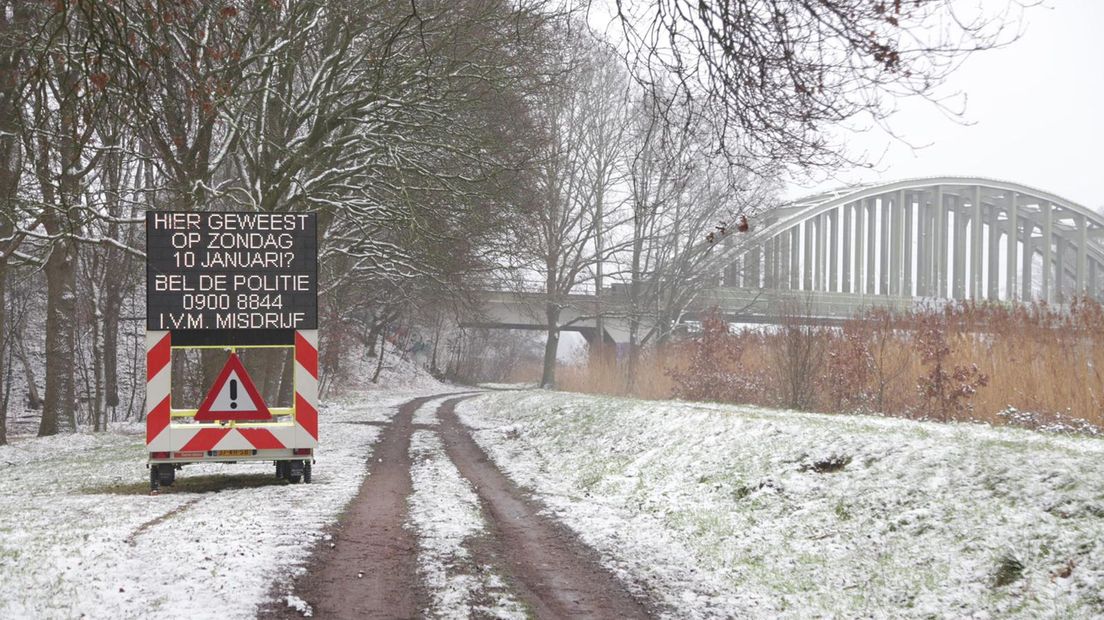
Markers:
point(219, 278)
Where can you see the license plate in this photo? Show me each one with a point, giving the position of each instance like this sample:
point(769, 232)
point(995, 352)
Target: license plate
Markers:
point(188, 455)
point(234, 453)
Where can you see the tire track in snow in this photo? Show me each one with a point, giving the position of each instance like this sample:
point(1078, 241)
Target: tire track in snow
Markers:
point(369, 568)
point(555, 573)
point(132, 539)
point(445, 514)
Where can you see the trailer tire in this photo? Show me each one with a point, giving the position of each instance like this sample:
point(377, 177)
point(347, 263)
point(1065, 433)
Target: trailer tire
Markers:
point(155, 482)
point(294, 471)
point(306, 472)
point(166, 475)
point(281, 469)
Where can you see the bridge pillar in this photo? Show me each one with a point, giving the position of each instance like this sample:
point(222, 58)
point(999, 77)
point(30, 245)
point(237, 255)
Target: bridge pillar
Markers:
point(975, 247)
point(833, 250)
point(907, 246)
point(1082, 253)
point(923, 243)
point(940, 253)
point(795, 258)
point(1026, 284)
point(752, 266)
point(809, 231)
point(992, 279)
point(896, 243)
point(885, 244)
point(860, 231)
point(871, 243)
point(1091, 287)
point(1047, 250)
point(845, 257)
point(1059, 284)
point(958, 269)
point(768, 264)
point(821, 251)
point(1011, 253)
point(782, 243)
point(731, 273)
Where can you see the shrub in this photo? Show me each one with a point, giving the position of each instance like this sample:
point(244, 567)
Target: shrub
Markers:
point(798, 352)
point(715, 372)
point(945, 388)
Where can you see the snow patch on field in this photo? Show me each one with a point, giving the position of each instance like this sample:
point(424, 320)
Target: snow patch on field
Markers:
point(299, 605)
point(735, 511)
point(80, 536)
point(445, 513)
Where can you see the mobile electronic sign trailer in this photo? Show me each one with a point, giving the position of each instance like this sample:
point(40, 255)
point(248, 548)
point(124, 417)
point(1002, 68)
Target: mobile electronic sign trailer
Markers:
point(231, 282)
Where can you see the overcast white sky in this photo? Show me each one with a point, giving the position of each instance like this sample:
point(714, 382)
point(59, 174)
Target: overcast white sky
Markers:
point(1036, 110)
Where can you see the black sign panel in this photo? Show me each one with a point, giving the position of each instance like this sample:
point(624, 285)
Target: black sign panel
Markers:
point(231, 278)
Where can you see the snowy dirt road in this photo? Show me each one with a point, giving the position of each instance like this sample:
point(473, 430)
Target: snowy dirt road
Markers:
point(437, 530)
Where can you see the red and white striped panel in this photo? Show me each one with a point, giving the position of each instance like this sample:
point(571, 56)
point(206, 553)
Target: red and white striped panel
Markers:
point(161, 435)
point(306, 387)
point(158, 390)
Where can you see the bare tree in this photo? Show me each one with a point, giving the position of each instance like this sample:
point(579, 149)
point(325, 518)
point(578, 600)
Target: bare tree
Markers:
point(565, 237)
point(771, 76)
point(678, 190)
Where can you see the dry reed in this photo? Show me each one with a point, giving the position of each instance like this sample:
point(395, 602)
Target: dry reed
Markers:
point(1034, 359)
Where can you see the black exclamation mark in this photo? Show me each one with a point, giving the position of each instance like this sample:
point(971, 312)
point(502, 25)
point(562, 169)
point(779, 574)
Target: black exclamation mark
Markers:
point(233, 393)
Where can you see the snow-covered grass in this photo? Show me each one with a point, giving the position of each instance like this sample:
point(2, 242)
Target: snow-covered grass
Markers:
point(81, 537)
point(445, 514)
point(725, 511)
point(399, 372)
point(508, 386)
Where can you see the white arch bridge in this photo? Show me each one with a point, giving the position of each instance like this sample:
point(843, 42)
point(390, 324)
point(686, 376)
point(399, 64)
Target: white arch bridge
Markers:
point(942, 237)
point(894, 245)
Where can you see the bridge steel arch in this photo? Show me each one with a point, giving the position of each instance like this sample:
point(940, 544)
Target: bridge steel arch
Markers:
point(939, 237)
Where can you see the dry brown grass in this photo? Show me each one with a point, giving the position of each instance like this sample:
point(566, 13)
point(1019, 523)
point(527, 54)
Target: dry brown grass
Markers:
point(1033, 359)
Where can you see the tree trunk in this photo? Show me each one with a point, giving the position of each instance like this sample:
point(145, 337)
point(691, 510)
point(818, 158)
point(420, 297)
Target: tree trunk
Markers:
point(551, 345)
point(34, 401)
point(60, 339)
point(271, 368)
point(5, 344)
point(112, 308)
point(116, 279)
point(287, 378)
point(211, 363)
point(379, 360)
point(436, 343)
point(99, 406)
point(373, 337)
point(634, 308)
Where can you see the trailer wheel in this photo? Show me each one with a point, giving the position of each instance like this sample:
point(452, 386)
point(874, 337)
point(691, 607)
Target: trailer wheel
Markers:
point(294, 471)
point(281, 469)
point(166, 475)
point(306, 472)
point(155, 482)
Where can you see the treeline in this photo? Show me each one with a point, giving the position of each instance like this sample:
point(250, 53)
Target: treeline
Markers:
point(403, 129)
point(447, 147)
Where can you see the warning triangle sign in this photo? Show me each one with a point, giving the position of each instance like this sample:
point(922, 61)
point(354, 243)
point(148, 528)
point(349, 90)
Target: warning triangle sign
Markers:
point(233, 396)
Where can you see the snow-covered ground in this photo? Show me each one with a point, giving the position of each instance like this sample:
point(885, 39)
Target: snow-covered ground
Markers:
point(712, 511)
point(722, 511)
point(445, 515)
point(81, 537)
